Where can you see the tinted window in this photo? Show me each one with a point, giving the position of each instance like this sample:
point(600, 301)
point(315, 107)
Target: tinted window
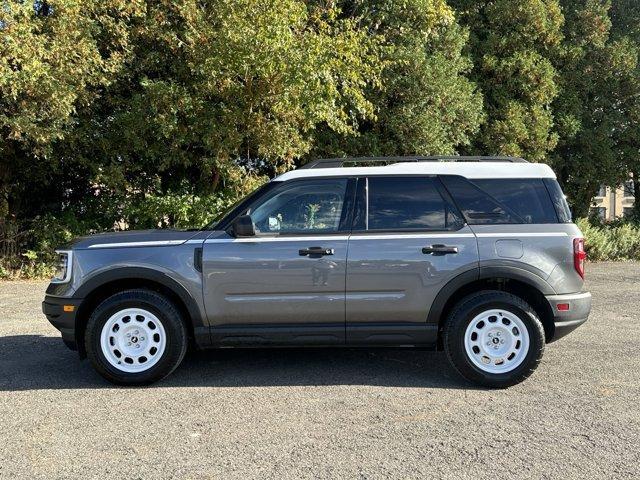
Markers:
point(526, 197)
point(301, 207)
point(559, 201)
point(407, 203)
point(477, 206)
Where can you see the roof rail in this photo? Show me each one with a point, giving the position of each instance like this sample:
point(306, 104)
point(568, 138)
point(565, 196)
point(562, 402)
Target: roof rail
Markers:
point(340, 162)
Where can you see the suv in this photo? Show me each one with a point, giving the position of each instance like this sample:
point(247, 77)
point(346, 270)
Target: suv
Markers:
point(473, 255)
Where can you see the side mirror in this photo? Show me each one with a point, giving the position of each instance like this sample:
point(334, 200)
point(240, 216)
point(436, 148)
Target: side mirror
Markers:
point(243, 227)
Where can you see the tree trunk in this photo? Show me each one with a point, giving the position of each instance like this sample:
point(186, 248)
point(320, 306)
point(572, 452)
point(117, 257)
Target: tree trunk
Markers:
point(8, 225)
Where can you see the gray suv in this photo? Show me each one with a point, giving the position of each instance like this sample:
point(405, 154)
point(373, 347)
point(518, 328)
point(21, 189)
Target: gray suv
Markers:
point(477, 256)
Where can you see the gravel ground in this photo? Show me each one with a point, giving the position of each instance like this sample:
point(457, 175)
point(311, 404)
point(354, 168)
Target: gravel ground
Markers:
point(326, 413)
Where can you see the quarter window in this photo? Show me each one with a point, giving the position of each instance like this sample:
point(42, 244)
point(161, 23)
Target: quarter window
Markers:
point(408, 203)
point(559, 200)
point(477, 206)
point(528, 197)
point(308, 206)
point(508, 200)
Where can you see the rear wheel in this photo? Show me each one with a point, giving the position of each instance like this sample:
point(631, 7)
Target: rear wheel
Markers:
point(494, 339)
point(135, 337)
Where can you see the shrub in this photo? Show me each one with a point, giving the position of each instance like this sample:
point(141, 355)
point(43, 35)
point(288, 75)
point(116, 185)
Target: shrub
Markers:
point(32, 252)
point(611, 241)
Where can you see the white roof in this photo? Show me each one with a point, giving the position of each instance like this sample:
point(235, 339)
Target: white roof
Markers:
point(464, 169)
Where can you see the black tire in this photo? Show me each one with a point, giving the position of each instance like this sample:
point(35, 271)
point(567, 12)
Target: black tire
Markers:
point(172, 323)
point(460, 318)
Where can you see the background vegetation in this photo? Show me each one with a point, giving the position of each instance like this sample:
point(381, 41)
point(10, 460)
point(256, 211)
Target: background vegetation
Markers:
point(137, 114)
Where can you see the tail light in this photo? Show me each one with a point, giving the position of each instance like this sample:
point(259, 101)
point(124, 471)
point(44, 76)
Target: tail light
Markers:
point(579, 255)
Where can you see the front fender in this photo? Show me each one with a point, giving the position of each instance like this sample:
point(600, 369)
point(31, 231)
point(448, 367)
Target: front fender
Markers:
point(157, 275)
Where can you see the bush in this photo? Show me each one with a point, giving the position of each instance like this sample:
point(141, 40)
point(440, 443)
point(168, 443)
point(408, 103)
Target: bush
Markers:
point(175, 211)
point(611, 241)
point(32, 250)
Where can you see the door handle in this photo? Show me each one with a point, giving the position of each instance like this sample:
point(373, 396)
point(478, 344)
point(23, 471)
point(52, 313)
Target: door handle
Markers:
point(439, 249)
point(315, 251)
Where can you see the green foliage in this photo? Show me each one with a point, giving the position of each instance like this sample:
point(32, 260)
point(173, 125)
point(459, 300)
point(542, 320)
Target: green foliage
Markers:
point(599, 88)
point(616, 241)
point(55, 57)
point(512, 45)
point(159, 113)
point(175, 211)
point(625, 31)
point(149, 113)
point(54, 53)
point(425, 104)
point(210, 83)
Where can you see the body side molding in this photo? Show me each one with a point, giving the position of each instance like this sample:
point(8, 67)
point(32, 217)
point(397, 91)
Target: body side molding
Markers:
point(516, 273)
point(445, 293)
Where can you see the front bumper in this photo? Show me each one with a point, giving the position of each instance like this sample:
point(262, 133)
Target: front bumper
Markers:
point(64, 321)
point(568, 320)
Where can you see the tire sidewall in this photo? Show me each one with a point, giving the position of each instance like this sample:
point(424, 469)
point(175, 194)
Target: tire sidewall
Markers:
point(460, 358)
point(165, 312)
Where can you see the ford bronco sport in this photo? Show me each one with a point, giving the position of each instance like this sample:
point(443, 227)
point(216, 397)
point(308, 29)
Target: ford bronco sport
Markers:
point(477, 256)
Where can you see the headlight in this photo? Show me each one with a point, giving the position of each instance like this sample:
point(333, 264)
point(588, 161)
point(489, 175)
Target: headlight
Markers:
point(63, 270)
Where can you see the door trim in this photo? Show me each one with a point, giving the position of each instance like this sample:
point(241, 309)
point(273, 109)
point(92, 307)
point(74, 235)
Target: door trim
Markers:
point(297, 238)
point(358, 236)
point(400, 236)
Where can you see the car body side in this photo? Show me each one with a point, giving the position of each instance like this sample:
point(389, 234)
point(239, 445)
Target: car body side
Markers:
point(533, 261)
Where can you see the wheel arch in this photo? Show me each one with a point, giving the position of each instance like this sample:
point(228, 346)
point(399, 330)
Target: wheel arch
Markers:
point(103, 285)
point(522, 283)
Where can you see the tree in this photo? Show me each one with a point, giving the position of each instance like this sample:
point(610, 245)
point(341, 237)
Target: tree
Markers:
point(625, 29)
point(594, 111)
point(425, 104)
point(55, 57)
point(512, 44)
point(218, 84)
point(105, 102)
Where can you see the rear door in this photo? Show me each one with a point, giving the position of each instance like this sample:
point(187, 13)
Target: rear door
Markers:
point(408, 241)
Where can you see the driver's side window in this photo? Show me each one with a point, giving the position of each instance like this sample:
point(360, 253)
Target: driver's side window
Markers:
point(305, 206)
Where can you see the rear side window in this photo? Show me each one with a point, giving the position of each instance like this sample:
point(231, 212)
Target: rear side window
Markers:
point(408, 203)
point(478, 207)
point(559, 200)
point(528, 197)
point(503, 200)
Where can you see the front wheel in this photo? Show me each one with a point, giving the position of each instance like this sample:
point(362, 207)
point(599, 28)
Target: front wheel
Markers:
point(494, 339)
point(135, 337)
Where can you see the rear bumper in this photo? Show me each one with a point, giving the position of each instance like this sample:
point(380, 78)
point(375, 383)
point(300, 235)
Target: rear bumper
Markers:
point(64, 321)
point(568, 320)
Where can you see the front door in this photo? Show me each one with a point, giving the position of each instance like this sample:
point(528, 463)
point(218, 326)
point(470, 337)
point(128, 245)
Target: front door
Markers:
point(408, 242)
point(286, 285)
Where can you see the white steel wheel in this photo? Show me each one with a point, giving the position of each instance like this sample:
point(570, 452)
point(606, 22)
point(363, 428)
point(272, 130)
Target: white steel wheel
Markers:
point(133, 340)
point(496, 341)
